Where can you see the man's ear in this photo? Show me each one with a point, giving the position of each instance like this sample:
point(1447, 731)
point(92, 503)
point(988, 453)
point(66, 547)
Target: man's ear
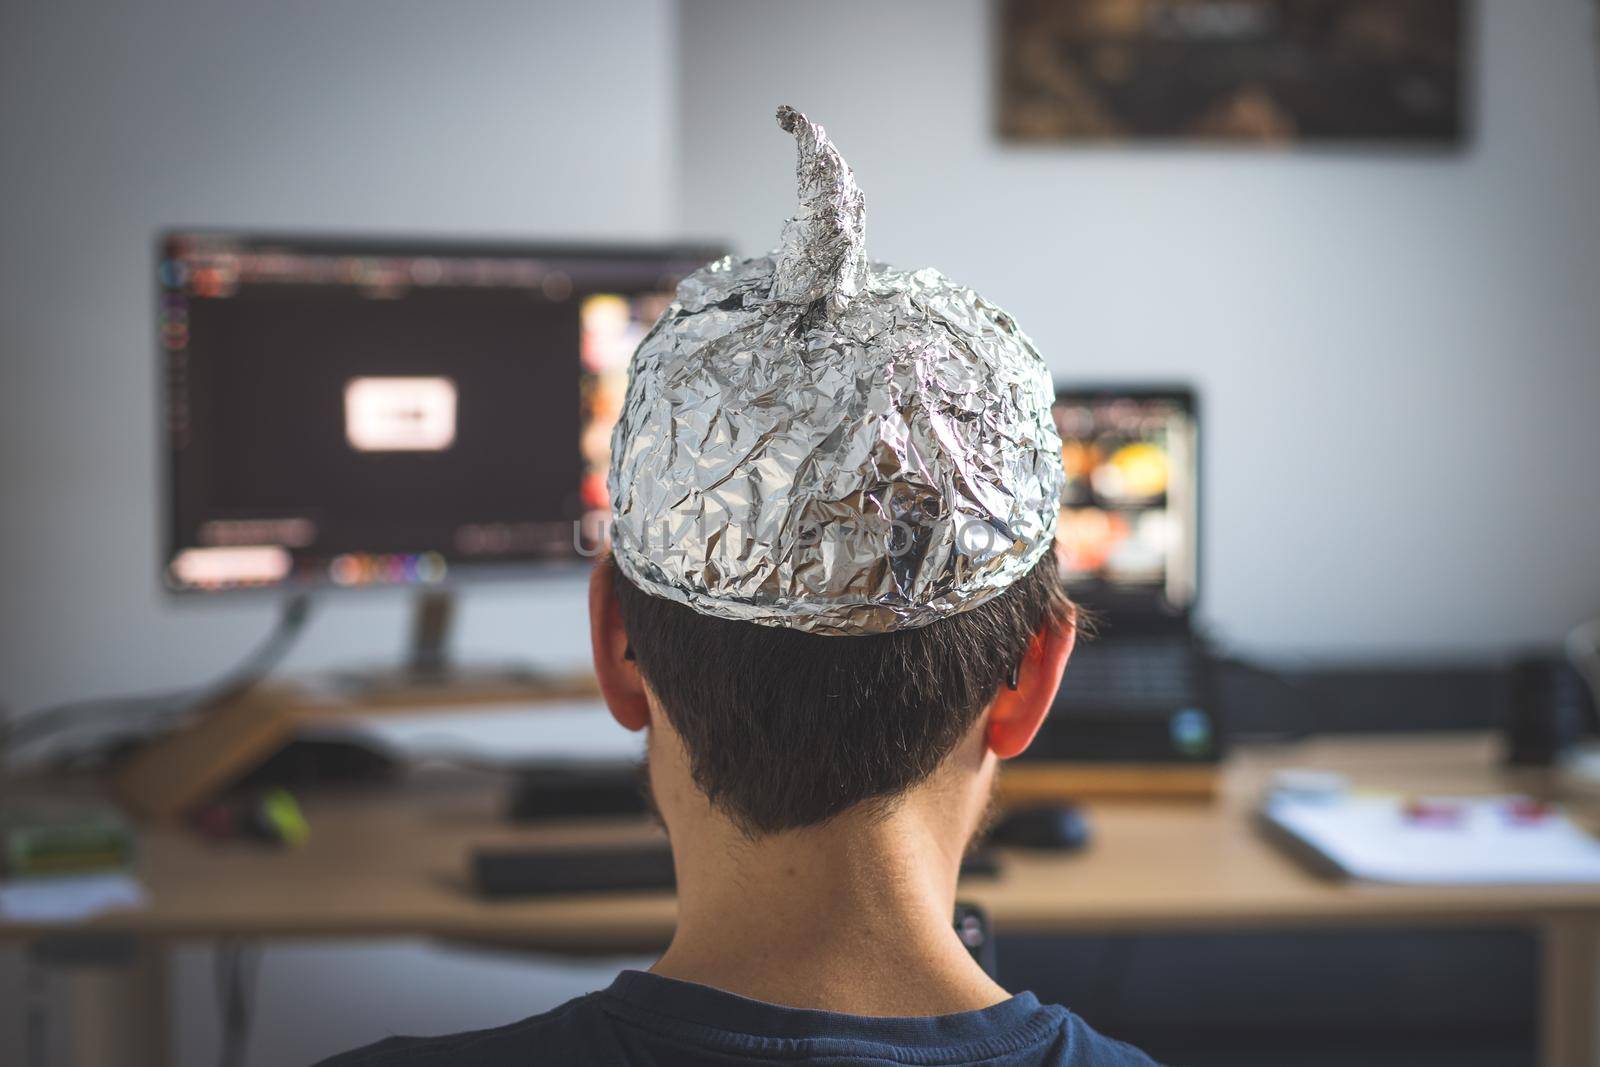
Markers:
point(620, 682)
point(1017, 714)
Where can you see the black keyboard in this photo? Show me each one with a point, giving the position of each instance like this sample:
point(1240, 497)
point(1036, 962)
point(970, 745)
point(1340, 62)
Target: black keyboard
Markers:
point(1141, 673)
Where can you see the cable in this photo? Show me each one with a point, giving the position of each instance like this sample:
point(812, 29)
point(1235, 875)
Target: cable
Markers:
point(236, 967)
point(1308, 705)
point(266, 657)
point(159, 707)
point(1583, 649)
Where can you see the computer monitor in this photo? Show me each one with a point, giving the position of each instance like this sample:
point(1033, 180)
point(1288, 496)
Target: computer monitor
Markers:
point(1129, 534)
point(356, 412)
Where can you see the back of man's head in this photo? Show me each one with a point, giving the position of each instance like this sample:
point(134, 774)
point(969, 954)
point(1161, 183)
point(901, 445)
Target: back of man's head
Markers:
point(786, 729)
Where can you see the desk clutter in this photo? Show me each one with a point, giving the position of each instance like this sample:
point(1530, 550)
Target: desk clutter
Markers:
point(1504, 839)
point(66, 861)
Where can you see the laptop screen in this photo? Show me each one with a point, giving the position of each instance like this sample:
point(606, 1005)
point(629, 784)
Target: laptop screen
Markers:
point(1128, 538)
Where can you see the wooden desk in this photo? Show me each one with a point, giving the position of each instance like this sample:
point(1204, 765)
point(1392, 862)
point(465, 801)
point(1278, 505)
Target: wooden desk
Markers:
point(392, 862)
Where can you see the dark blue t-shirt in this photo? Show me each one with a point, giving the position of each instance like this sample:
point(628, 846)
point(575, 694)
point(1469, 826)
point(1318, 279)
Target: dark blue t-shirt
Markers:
point(645, 1020)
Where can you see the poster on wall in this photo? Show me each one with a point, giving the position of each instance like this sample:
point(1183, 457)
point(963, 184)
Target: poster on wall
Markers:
point(1233, 71)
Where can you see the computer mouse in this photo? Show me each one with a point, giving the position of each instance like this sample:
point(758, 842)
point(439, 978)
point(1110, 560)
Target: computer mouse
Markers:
point(1046, 826)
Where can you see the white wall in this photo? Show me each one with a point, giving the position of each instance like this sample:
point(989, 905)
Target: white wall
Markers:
point(498, 118)
point(1399, 354)
point(514, 118)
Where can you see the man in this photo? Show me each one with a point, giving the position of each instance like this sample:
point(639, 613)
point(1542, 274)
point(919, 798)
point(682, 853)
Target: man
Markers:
point(833, 605)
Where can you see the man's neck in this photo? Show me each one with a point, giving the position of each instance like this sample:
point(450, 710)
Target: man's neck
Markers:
point(853, 916)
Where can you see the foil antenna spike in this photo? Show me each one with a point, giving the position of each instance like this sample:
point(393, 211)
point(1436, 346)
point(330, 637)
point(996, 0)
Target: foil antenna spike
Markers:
point(833, 446)
point(821, 252)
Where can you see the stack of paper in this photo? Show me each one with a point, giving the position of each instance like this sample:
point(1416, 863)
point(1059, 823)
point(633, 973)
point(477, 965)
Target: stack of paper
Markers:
point(1486, 840)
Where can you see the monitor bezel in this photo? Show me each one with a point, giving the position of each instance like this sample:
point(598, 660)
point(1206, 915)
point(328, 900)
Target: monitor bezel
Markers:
point(458, 572)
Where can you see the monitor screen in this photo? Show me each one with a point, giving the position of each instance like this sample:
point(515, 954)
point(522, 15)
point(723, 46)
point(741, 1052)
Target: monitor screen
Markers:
point(359, 412)
point(1129, 513)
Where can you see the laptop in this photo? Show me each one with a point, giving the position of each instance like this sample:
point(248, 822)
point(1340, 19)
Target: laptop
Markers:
point(1139, 692)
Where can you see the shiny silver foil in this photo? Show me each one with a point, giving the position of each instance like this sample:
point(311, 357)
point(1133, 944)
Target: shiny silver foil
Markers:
point(814, 441)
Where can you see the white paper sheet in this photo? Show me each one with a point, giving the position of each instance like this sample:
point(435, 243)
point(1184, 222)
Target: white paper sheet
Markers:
point(68, 898)
point(1370, 837)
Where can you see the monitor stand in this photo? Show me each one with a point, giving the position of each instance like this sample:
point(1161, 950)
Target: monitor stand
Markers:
point(428, 666)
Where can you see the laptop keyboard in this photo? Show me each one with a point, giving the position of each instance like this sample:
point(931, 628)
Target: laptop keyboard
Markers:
point(1140, 673)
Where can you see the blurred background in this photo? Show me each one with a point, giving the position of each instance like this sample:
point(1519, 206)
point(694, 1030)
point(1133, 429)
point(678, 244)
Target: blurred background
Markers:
point(1390, 322)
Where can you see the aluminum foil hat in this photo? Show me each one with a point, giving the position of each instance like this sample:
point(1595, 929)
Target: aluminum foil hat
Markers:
point(813, 441)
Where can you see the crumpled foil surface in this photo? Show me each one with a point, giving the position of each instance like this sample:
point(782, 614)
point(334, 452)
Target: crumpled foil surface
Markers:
point(815, 441)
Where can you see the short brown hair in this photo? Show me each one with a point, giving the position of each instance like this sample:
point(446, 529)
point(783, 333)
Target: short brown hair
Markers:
point(786, 729)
